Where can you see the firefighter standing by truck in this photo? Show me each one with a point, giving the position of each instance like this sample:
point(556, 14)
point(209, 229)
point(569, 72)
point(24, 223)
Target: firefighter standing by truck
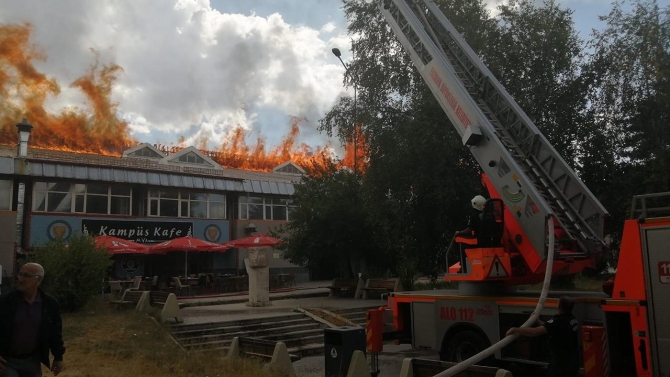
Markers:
point(563, 339)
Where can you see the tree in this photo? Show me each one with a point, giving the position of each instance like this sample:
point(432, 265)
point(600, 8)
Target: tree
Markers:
point(419, 177)
point(328, 231)
point(537, 57)
point(74, 269)
point(628, 151)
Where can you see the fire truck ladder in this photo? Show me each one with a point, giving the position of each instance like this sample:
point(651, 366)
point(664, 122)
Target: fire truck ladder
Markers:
point(429, 36)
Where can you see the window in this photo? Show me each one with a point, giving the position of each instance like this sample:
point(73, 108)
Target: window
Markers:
point(88, 198)
point(191, 158)
point(164, 203)
point(258, 208)
point(53, 197)
point(251, 208)
point(187, 204)
point(5, 195)
point(146, 152)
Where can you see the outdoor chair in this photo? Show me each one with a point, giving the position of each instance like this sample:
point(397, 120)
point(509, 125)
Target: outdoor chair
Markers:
point(178, 286)
point(154, 282)
point(115, 289)
point(289, 280)
point(136, 283)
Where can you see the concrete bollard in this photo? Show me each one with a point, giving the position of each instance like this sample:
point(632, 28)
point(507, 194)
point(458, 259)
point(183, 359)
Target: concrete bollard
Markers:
point(358, 367)
point(281, 362)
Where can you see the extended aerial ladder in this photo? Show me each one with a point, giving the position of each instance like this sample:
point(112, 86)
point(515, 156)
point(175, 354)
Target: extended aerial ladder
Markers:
point(520, 166)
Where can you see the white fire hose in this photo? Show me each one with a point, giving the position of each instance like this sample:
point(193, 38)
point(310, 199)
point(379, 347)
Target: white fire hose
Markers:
point(463, 365)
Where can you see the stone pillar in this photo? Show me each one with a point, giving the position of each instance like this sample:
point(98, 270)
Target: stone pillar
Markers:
point(259, 277)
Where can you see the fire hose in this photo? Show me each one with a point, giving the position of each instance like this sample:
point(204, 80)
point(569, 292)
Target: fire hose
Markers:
point(463, 365)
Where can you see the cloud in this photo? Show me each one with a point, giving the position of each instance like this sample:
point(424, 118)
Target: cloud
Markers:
point(188, 69)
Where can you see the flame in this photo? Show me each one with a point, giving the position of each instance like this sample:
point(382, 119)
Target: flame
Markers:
point(24, 91)
point(356, 151)
point(97, 130)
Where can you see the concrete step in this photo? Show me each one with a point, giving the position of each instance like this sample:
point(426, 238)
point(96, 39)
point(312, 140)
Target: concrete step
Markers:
point(308, 350)
point(241, 328)
point(303, 341)
point(314, 349)
point(251, 333)
point(356, 317)
point(342, 312)
point(243, 322)
point(297, 341)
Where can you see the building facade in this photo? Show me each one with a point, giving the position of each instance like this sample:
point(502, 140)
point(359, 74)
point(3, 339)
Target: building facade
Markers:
point(145, 196)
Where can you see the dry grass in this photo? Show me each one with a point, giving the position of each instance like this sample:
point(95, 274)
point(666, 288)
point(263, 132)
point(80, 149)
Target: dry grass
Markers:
point(101, 342)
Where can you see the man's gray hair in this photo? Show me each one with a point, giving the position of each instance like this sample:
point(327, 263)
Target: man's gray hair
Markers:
point(39, 270)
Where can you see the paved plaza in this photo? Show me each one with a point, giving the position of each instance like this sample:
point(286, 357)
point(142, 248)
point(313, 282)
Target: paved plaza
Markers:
point(306, 295)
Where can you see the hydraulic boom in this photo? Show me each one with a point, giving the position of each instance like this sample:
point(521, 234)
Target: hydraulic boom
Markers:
point(531, 178)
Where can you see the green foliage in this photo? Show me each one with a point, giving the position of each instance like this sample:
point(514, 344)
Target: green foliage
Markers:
point(329, 232)
point(73, 269)
point(629, 72)
point(537, 56)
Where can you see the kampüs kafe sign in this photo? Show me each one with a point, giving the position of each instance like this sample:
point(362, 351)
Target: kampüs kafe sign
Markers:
point(138, 231)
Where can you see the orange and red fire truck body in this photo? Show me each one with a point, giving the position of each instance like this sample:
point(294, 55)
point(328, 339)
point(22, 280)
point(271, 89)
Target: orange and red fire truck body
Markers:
point(623, 334)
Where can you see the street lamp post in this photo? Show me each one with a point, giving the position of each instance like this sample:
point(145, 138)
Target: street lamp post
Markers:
point(338, 54)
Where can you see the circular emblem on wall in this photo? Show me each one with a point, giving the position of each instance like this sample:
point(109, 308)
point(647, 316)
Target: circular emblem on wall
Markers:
point(333, 353)
point(212, 233)
point(59, 229)
point(129, 265)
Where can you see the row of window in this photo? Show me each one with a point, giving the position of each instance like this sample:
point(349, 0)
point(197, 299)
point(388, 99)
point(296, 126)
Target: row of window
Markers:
point(261, 208)
point(96, 198)
point(82, 198)
point(177, 203)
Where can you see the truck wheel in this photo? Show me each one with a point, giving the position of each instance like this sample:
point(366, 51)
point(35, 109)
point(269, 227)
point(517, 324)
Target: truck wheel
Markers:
point(463, 345)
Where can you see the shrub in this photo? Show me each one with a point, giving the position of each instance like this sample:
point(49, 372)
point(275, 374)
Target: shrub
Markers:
point(73, 269)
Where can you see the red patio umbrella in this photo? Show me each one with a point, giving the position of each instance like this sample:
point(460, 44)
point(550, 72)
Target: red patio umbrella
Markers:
point(186, 244)
point(256, 240)
point(115, 245)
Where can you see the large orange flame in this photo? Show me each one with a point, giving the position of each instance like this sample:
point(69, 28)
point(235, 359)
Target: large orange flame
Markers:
point(24, 90)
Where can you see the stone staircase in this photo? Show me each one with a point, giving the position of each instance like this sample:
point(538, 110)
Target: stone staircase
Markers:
point(356, 315)
point(301, 334)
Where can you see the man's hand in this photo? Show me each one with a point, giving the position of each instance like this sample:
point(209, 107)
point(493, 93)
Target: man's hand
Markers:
point(511, 331)
point(57, 367)
point(2, 364)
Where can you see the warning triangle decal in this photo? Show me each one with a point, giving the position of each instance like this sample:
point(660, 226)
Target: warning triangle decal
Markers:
point(497, 269)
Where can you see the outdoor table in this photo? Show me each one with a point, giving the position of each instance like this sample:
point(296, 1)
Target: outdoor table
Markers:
point(124, 283)
point(189, 281)
point(284, 280)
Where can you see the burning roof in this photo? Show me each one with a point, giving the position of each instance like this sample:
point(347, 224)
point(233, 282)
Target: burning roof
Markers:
point(97, 130)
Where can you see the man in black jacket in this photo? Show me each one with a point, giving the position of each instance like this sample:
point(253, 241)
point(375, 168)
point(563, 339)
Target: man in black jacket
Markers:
point(30, 326)
point(563, 332)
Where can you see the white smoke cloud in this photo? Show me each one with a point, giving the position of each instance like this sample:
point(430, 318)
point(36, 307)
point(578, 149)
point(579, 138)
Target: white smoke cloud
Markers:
point(188, 69)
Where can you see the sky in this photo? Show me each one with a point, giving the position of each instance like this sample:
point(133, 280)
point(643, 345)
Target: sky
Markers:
point(199, 68)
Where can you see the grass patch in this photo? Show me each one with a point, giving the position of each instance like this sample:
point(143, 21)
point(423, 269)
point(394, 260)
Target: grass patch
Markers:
point(102, 341)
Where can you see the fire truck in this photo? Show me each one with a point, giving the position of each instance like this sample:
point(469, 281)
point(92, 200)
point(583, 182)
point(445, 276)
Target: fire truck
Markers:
point(539, 211)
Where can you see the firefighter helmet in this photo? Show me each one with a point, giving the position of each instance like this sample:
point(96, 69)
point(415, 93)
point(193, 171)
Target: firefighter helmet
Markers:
point(478, 202)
